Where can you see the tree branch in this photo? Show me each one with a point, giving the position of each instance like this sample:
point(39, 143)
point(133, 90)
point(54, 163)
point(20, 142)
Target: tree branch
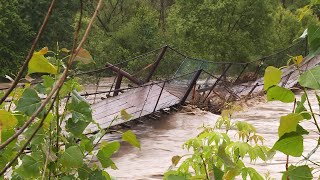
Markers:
point(60, 81)
point(28, 141)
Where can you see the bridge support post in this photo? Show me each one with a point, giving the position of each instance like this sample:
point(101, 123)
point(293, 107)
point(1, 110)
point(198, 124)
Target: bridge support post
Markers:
point(192, 83)
point(217, 81)
point(155, 107)
point(124, 73)
point(118, 84)
point(243, 69)
point(156, 63)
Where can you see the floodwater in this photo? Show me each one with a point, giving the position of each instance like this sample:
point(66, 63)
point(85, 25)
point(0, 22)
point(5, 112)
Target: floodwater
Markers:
point(161, 139)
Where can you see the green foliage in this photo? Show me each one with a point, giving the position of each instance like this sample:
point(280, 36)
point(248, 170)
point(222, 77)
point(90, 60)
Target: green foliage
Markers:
point(39, 64)
point(15, 37)
point(58, 149)
point(290, 144)
point(289, 123)
point(72, 157)
point(29, 102)
point(272, 76)
point(131, 138)
point(7, 120)
point(310, 78)
point(298, 173)
point(30, 167)
point(290, 131)
point(105, 152)
point(216, 156)
point(280, 94)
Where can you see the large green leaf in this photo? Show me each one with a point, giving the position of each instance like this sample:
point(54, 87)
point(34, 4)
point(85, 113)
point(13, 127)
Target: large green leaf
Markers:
point(131, 138)
point(313, 39)
point(39, 138)
point(272, 76)
point(7, 120)
point(39, 64)
point(281, 94)
point(29, 102)
point(72, 157)
point(105, 153)
point(76, 128)
point(311, 78)
point(289, 123)
point(298, 173)
point(30, 167)
point(80, 110)
point(290, 144)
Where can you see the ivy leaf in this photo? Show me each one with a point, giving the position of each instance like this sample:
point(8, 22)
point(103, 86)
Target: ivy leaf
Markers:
point(39, 64)
point(290, 144)
point(131, 138)
point(272, 76)
point(311, 78)
point(30, 167)
point(84, 57)
point(7, 120)
point(105, 153)
point(124, 115)
point(72, 157)
point(29, 102)
point(280, 94)
point(298, 173)
point(289, 123)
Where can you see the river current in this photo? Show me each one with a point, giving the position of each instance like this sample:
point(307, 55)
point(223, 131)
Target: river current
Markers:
point(163, 138)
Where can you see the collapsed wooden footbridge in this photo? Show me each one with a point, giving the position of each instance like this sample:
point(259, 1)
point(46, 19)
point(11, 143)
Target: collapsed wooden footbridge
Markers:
point(166, 78)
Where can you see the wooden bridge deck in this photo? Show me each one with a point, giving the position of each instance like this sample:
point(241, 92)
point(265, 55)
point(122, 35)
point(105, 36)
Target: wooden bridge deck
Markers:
point(137, 102)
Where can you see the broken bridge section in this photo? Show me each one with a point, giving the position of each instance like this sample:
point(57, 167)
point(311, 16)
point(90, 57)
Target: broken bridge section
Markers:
point(165, 77)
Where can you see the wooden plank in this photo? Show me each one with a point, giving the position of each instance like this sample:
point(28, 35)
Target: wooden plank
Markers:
point(137, 102)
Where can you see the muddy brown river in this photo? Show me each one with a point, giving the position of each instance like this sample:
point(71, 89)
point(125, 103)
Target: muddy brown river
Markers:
point(161, 139)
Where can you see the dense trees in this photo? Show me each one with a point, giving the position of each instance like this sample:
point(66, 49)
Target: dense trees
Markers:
point(14, 35)
point(218, 30)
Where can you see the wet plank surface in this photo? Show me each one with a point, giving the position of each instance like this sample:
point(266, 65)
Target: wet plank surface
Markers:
point(138, 102)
